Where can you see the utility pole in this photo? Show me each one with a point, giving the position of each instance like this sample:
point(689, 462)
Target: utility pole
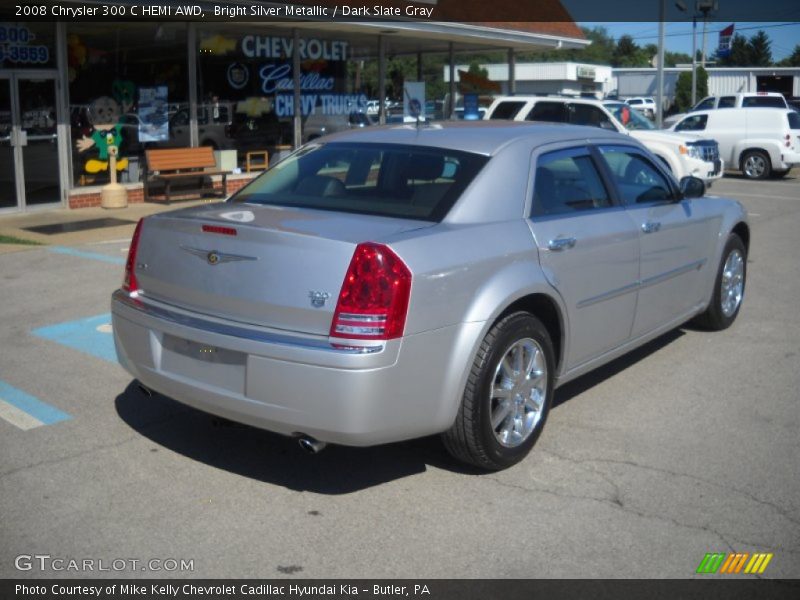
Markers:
point(662, 9)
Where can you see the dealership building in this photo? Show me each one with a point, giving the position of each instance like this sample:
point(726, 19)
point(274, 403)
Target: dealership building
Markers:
point(71, 90)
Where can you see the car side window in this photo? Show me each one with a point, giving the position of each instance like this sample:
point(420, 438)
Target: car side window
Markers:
point(567, 182)
point(553, 112)
point(727, 102)
point(639, 181)
point(706, 104)
point(692, 123)
point(586, 114)
point(763, 101)
point(507, 110)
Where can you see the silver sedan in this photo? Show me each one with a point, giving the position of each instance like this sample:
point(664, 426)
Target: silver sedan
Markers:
point(397, 282)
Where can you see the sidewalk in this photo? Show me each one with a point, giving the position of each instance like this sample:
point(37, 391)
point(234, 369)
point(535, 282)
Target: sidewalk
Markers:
point(13, 224)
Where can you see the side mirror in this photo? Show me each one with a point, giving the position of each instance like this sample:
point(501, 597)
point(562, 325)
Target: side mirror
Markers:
point(692, 187)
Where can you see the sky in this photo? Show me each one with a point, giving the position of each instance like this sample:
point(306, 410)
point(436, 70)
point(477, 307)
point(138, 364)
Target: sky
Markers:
point(678, 36)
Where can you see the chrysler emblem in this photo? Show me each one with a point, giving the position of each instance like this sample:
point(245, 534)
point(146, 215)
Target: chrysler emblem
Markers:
point(215, 257)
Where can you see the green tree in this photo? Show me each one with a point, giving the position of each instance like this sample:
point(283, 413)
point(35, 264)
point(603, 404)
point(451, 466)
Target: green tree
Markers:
point(793, 60)
point(739, 55)
point(683, 88)
point(760, 50)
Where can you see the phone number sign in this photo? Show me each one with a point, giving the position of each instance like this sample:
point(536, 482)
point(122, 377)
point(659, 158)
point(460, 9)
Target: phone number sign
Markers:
point(16, 46)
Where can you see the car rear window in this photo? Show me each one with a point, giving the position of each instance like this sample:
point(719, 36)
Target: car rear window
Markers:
point(507, 110)
point(390, 180)
point(768, 101)
point(794, 120)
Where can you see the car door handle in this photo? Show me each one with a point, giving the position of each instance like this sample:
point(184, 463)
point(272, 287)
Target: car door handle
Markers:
point(559, 244)
point(651, 226)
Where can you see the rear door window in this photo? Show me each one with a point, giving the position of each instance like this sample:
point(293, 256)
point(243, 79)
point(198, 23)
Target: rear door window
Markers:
point(507, 110)
point(567, 181)
point(553, 112)
point(586, 114)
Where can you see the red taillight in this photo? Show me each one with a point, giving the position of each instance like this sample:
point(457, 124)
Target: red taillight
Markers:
point(788, 140)
point(373, 303)
point(129, 283)
point(219, 229)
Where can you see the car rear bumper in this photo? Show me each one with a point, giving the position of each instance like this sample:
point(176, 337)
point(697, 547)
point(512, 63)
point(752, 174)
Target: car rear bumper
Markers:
point(292, 385)
point(790, 159)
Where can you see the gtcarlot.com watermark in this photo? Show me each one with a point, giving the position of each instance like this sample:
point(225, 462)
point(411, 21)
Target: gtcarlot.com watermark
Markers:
point(46, 562)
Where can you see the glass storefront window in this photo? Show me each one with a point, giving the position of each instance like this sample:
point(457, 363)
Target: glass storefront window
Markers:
point(245, 86)
point(27, 45)
point(127, 87)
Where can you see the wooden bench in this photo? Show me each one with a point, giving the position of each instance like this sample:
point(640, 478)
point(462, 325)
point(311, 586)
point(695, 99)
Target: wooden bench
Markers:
point(168, 165)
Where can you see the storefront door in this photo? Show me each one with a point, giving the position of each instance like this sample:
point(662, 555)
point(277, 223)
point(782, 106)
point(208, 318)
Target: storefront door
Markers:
point(29, 149)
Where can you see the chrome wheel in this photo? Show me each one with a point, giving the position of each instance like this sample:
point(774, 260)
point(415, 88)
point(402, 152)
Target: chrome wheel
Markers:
point(755, 165)
point(518, 394)
point(732, 283)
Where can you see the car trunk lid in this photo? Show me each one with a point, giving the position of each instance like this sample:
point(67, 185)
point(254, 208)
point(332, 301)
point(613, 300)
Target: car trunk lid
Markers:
point(269, 266)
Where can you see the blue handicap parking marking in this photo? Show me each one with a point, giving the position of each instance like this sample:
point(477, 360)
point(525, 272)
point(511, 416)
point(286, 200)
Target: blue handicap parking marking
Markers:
point(115, 260)
point(91, 335)
point(25, 411)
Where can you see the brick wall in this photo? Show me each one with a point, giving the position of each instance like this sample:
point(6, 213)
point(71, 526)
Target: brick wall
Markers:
point(90, 197)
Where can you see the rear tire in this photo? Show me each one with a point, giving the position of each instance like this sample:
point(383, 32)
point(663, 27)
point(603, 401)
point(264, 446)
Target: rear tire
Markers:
point(728, 287)
point(756, 164)
point(507, 396)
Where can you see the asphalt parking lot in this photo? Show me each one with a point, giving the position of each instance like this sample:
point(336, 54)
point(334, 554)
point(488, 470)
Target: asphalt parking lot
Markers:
point(688, 446)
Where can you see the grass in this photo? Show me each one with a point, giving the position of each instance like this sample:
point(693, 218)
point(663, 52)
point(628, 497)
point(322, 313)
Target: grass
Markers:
point(10, 239)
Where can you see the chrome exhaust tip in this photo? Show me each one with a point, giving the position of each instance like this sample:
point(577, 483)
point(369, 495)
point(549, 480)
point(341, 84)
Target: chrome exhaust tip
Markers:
point(311, 445)
point(146, 391)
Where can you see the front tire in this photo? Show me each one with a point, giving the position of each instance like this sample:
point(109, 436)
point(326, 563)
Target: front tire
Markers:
point(507, 396)
point(728, 287)
point(756, 164)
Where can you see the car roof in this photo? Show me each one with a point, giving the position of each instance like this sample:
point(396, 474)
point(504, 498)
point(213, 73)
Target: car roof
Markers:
point(724, 111)
point(548, 98)
point(480, 137)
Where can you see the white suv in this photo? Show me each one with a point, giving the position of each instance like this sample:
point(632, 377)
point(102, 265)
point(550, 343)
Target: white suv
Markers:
point(761, 142)
point(645, 105)
point(683, 154)
point(742, 100)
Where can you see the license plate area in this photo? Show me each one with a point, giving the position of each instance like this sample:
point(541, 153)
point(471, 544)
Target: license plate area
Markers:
point(204, 363)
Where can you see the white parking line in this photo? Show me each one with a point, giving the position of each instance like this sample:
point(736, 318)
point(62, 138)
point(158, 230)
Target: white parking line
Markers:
point(18, 417)
point(748, 195)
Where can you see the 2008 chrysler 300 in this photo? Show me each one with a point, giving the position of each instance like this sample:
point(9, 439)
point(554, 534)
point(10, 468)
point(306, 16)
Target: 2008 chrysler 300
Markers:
point(397, 282)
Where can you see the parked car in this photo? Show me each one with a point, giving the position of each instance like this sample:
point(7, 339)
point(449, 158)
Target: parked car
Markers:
point(645, 105)
point(742, 100)
point(397, 282)
point(760, 142)
point(685, 154)
point(318, 124)
point(214, 123)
